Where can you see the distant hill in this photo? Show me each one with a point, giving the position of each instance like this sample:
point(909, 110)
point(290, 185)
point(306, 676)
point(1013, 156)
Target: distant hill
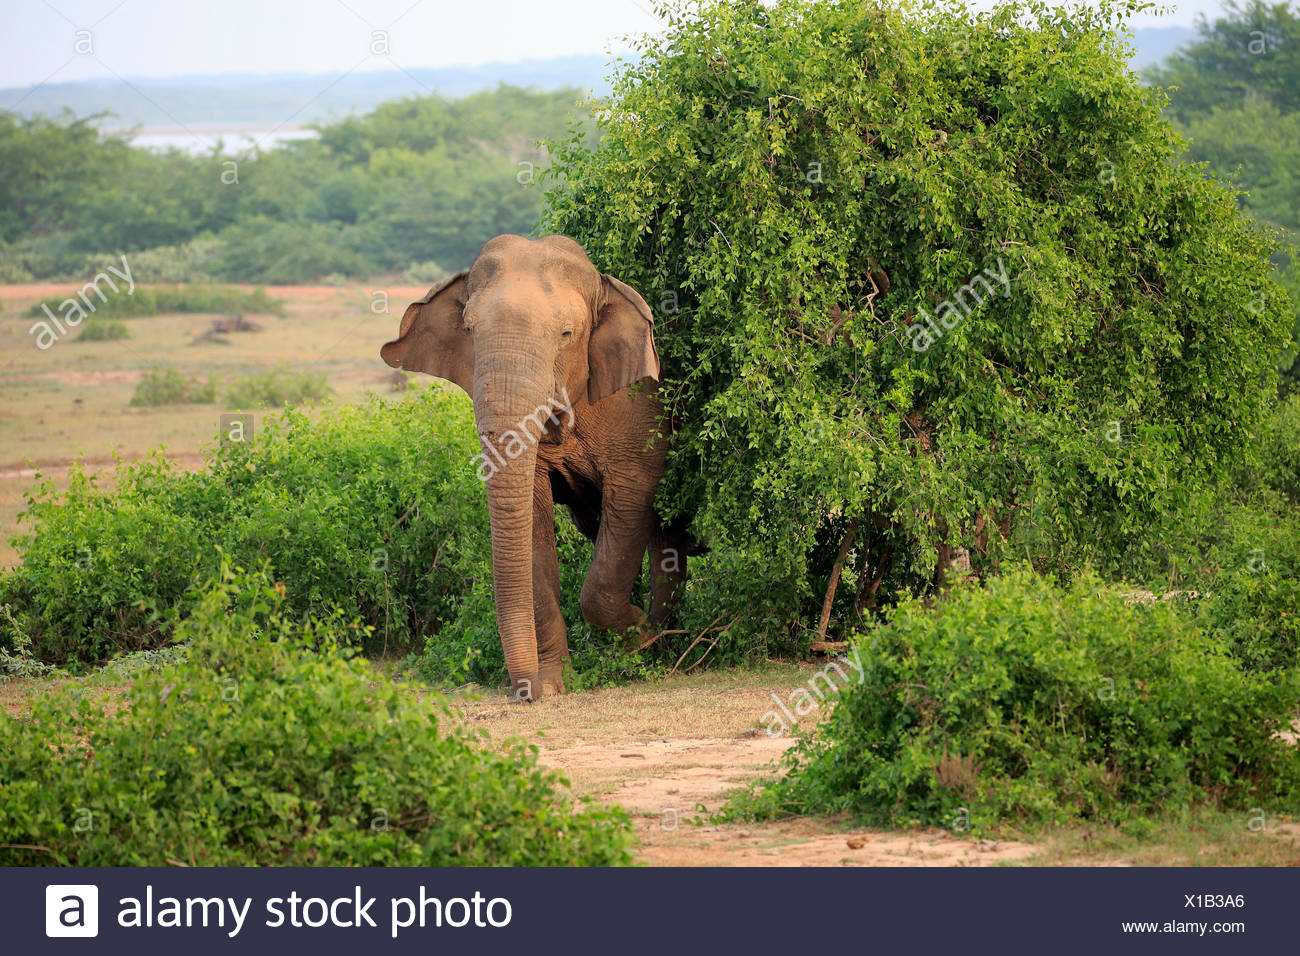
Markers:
point(295, 99)
point(238, 100)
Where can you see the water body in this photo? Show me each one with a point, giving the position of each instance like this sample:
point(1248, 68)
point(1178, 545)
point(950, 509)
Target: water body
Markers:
point(233, 140)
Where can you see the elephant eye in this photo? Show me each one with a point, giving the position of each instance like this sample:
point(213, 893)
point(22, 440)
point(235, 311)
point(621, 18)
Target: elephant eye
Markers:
point(567, 334)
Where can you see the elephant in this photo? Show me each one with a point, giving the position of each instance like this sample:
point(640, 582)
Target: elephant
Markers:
point(561, 364)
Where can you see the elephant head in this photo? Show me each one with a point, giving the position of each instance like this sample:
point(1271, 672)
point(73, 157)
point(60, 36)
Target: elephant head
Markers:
point(535, 334)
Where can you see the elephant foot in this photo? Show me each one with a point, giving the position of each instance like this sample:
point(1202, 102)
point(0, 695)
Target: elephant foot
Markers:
point(547, 682)
point(525, 690)
point(552, 677)
point(641, 638)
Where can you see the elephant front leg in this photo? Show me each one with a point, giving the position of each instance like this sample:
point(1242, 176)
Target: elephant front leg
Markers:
point(620, 549)
point(552, 641)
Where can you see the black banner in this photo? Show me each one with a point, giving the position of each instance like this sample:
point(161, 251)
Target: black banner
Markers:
point(664, 911)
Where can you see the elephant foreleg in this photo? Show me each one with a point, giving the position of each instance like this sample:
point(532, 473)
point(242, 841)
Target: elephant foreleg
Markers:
point(552, 641)
point(620, 550)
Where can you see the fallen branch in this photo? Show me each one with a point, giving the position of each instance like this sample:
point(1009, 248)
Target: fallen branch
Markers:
point(828, 647)
point(699, 637)
point(712, 645)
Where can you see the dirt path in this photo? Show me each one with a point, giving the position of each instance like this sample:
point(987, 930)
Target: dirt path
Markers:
point(668, 750)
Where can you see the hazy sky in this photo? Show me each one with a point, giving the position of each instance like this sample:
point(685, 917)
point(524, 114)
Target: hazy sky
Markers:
point(39, 39)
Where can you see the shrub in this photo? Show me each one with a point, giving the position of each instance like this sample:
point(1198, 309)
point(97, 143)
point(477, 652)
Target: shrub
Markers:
point(424, 273)
point(96, 330)
point(167, 386)
point(376, 508)
point(1236, 544)
point(45, 257)
point(99, 567)
point(1024, 702)
point(264, 746)
point(164, 300)
point(1252, 601)
point(920, 273)
point(277, 388)
point(285, 252)
point(185, 262)
point(1280, 456)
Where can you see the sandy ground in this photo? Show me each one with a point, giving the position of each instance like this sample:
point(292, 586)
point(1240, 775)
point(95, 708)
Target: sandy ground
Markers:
point(670, 751)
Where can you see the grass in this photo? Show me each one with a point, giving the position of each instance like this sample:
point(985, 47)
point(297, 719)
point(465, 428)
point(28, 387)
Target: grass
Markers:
point(1194, 840)
point(65, 401)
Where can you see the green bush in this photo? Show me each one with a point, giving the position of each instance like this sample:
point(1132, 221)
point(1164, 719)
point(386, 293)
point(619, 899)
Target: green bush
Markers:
point(265, 746)
point(35, 257)
point(1236, 545)
point(184, 262)
point(1251, 583)
point(1280, 456)
point(808, 194)
point(277, 388)
point(97, 330)
point(164, 300)
point(167, 386)
point(424, 273)
point(99, 568)
point(1027, 703)
point(284, 252)
point(376, 508)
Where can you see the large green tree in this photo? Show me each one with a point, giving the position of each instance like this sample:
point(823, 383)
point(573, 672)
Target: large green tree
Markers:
point(924, 279)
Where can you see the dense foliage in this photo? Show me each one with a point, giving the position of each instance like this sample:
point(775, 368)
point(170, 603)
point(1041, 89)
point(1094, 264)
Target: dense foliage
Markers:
point(371, 507)
point(924, 279)
point(375, 508)
point(1027, 702)
point(264, 746)
point(419, 179)
point(1235, 95)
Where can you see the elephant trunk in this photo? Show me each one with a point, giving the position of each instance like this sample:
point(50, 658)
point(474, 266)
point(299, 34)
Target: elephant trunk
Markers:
point(503, 413)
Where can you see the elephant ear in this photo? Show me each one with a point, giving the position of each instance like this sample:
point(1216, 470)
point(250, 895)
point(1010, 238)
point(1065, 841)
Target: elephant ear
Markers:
point(622, 347)
point(433, 338)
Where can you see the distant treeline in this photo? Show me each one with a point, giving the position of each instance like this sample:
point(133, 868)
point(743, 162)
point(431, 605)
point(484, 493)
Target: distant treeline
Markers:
point(1237, 101)
point(414, 187)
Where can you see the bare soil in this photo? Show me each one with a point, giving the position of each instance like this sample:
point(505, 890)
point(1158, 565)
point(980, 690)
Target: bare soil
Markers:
point(670, 751)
